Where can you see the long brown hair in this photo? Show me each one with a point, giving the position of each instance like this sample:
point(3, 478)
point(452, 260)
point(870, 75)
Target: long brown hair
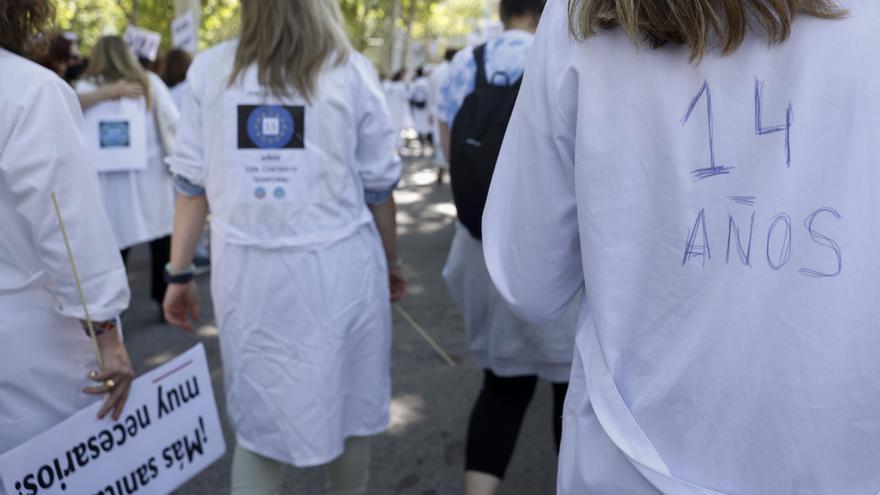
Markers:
point(112, 60)
point(22, 22)
point(291, 42)
point(701, 25)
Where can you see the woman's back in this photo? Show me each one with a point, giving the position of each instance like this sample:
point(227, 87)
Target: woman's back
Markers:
point(726, 220)
point(286, 170)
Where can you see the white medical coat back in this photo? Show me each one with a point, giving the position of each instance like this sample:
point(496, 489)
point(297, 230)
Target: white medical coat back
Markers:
point(420, 90)
point(45, 356)
point(299, 277)
point(397, 93)
point(722, 216)
point(140, 204)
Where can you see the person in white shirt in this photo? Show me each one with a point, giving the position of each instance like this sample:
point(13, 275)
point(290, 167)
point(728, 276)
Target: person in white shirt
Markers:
point(46, 358)
point(708, 175)
point(139, 201)
point(512, 353)
point(292, 146)
point(397, 92)
point(174, 66)
point(436, 79)
point(420, 108)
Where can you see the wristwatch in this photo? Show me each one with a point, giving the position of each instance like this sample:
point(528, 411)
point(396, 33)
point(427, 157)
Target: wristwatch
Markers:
point(185, 276)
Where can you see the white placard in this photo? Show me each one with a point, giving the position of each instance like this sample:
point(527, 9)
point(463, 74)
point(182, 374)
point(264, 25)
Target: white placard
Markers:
point(169, 432)
point(117, 134)
point(143, 42)
point(184, 33)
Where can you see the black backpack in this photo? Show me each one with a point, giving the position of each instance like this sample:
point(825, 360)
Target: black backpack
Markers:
point(477, 133)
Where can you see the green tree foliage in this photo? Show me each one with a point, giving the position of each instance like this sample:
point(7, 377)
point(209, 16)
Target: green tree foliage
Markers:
point(426, 21)
point(365, 20)
point(447, 21)
point(91, 19)
point(454, 19)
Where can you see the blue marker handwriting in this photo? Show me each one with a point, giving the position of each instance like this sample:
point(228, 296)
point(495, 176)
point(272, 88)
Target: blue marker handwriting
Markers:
point(714, 169)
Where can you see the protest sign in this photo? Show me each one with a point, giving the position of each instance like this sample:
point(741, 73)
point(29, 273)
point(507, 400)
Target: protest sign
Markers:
point(143, 42)
point(184, 33)
point(117, 134)
point(169, 432)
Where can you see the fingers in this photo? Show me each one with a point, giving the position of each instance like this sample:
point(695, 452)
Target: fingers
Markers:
point(112, 402)
point(120, 404)
point(178, 319)
point(176, 314)
point(96, 390)
point(133, 90)
point(194, 310)
point(118, 393)
point(397, 295)
point(398, 290)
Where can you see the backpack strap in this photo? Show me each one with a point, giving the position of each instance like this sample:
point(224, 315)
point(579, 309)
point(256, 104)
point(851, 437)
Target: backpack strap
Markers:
point(480, 59)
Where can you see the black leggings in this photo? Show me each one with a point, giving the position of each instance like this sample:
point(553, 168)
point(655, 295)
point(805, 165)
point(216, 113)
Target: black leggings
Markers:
point(497, 417)
point(160, 254)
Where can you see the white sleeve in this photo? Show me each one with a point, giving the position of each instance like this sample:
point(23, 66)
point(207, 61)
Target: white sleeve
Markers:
point(166, 112)
point(188, 158)
point(46, 152)
point(530, 224)
point(376, 151)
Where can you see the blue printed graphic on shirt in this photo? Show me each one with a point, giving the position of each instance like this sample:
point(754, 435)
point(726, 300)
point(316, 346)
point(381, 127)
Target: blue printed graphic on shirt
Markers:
point(505, 57)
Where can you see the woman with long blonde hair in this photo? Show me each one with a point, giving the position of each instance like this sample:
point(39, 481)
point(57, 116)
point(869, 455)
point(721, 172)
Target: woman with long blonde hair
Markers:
point(139, 200)
point(705, 169)
point(286, 136)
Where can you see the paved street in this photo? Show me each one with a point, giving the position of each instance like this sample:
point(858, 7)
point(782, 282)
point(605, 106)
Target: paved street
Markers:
point(423, 452)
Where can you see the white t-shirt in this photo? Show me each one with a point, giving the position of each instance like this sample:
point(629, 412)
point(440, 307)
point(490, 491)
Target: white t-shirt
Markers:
point(722, 217)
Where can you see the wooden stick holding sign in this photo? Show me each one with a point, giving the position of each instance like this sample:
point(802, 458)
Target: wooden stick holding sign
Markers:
point(82, 296)
point(424, 334)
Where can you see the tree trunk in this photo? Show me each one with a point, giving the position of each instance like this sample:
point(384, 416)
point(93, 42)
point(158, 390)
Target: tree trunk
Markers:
point(390, 37)
point(133, 15)
point(410, 17)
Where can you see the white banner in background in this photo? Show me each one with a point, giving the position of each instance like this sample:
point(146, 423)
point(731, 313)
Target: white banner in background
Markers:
point(143, 42)
point(117, 135)
point(184, 33)
point(169, 432)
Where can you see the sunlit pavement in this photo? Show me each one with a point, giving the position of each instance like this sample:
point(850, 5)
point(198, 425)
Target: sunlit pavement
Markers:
point(423, 452)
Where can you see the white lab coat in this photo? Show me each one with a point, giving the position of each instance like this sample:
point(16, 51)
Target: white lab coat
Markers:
point(140, 204)
point(397, 93)
point(45, 356)
point(499, 340)
point(299, 277)
point(719, 357)
point(421, 89)
point(176, 93)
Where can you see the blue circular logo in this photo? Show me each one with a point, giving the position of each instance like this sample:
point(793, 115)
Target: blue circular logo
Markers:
point(279, 192)
point(270, 126)
point(260, 193)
